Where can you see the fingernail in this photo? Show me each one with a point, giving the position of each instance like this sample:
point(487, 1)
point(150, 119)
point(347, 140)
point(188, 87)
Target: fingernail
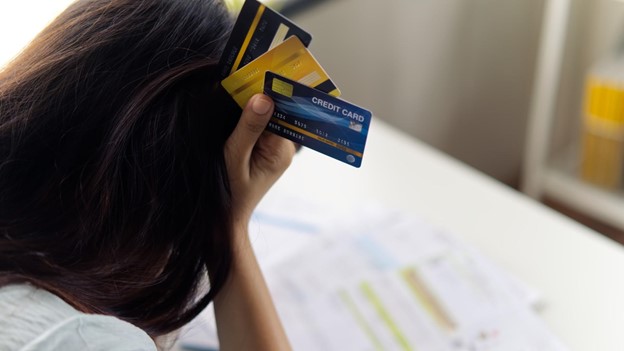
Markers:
point(261, 106)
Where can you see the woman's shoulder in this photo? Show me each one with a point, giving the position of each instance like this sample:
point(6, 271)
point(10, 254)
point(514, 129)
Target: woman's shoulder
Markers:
point(34, 319)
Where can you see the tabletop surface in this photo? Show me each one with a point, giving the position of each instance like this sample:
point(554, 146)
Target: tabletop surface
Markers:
point(579, 272)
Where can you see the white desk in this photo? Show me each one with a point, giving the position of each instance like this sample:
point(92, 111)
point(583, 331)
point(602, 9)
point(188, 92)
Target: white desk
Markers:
point(579, 272)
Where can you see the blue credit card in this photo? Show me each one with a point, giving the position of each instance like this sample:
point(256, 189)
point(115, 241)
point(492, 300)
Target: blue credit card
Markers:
point(317, 120)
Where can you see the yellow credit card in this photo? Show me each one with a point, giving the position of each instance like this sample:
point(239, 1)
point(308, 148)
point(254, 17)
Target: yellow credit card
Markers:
point(290, 59)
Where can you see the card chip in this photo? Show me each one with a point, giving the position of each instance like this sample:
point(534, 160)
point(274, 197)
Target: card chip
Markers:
point(282, 88)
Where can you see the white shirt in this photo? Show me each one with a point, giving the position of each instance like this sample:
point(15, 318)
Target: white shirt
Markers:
point(34, 319)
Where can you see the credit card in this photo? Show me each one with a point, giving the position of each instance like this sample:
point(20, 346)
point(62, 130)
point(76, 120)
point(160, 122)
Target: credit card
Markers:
point(317, 120)
point(258, 29)
point(290, 59)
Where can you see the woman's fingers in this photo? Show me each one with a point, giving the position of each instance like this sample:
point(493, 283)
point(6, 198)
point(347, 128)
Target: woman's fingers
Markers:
point(273, 152)
point(255, 159)
point(252, 123)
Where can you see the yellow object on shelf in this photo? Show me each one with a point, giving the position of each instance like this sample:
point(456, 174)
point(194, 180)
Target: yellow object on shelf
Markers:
point(603, 132)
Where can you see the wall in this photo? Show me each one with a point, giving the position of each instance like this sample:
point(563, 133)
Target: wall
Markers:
point(456, 74)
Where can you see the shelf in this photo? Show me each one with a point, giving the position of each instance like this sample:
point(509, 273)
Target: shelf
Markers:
point(574, 34)
point(563, 185)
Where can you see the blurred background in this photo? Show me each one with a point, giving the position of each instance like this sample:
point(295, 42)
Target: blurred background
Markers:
point(461, 75)
point(456, 74)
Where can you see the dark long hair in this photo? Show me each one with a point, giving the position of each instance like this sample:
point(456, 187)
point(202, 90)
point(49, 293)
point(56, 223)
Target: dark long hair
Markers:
point(113, 187)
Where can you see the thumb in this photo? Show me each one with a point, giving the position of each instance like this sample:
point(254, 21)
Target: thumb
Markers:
point(252, 123)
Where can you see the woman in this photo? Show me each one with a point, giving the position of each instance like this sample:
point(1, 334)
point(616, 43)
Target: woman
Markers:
point(126, 183)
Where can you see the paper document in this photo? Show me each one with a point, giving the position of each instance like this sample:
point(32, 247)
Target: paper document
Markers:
point(384, 280)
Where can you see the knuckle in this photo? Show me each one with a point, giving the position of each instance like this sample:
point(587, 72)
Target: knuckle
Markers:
point(255, 127)
point(287, 161)
point(279, 162)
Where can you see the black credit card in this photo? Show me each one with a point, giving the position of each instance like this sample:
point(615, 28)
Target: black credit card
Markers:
point(258, 29)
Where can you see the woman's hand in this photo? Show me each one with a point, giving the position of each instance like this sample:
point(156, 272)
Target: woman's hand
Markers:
point(255, 159)
point(245, 314)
